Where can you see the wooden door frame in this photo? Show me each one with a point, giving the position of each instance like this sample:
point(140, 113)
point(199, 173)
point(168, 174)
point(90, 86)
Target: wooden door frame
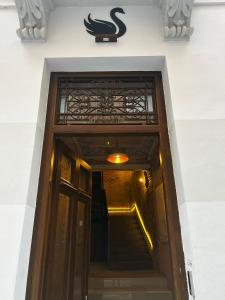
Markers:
point(42, 213)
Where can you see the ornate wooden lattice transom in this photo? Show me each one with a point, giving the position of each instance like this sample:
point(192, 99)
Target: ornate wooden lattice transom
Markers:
point(106, 101)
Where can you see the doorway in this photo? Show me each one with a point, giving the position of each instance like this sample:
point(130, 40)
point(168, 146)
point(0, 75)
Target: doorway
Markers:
point(91, 116)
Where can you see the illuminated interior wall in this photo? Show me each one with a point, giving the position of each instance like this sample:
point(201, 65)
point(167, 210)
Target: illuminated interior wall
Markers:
point(143, 197)
point(117, 185)
point(149, 198)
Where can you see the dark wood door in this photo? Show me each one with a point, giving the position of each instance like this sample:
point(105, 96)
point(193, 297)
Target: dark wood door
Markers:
point(68, 238)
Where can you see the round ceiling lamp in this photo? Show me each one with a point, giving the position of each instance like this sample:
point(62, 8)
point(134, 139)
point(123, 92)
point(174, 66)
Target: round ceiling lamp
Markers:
point(117, 158)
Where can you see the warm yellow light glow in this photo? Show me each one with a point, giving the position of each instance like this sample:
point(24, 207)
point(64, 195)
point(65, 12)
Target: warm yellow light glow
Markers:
point(129, 210)
point(141, 179)
point(160, 159)
point(117, 158)
point(52, 160)
point(132, 209)
point(143, 226)
point(120, 210)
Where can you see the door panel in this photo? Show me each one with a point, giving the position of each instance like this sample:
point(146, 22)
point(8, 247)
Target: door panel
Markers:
point(55, 284)
point(67, 258)
point(79, 250)
point(66, 168)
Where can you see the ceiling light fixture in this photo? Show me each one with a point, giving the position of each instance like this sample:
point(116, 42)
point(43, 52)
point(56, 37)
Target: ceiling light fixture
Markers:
point(117, 158)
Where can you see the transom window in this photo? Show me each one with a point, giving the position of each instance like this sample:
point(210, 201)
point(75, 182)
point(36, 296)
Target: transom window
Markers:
point(106, 101)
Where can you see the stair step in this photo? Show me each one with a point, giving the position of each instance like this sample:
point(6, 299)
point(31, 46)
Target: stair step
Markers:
point(123, 226)
point(126, 227)
point(127, 235)
point(141, 254)
point(127, 246)
point(124, 243)
point(130, 265)
point(125, 250)
point(129, 294)
point(131, 234)
point(141, 247)
point(124, 254)
point(130, 258)
point(138, 282)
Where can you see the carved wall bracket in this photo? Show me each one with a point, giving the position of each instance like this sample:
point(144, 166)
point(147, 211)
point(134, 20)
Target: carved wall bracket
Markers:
point(33, 17)
point(177, 18)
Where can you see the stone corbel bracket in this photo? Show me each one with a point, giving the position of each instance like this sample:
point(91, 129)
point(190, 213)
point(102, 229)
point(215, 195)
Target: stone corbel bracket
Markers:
point(177, 19)
point(33, 17)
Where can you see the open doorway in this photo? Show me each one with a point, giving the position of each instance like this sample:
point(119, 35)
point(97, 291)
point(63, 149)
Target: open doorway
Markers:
point(106, 229)
point(129, 240)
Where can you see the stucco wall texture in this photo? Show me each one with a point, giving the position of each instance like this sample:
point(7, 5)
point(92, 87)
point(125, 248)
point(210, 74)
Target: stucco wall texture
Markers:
point(193, 78)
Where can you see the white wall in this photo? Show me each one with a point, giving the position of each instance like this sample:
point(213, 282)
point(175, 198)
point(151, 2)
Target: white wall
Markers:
point(193, 74)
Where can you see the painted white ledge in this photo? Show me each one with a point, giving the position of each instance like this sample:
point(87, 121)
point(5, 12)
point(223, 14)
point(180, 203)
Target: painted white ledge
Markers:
point(7, 4)
point(102, 2)
point(34, 15)
point(208, 2)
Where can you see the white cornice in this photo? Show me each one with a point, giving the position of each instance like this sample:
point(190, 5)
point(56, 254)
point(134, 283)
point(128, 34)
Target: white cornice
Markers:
point(208, 3)
point(102, 2)
point(4, 4)
point(34, 15)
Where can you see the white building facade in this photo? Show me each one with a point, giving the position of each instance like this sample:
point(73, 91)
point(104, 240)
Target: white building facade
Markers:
point(193, 77)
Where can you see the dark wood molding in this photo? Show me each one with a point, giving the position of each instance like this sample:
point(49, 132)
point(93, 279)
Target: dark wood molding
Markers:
point(39, 243)
point(105, 129)
point(174, 230)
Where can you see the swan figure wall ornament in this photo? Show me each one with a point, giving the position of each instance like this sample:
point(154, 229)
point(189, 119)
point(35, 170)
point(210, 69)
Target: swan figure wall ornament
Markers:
point(102, 28)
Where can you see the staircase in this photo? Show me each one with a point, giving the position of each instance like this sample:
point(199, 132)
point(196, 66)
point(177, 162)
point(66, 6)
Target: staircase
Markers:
point(127, 248)
point(128, 274)
point(131, 285)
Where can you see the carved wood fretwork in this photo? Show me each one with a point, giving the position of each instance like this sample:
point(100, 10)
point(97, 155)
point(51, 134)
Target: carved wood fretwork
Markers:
point(106, 101)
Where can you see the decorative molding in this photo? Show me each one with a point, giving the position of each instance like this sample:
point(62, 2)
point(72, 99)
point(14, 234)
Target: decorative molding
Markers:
point(198, 3)
point(177, 18)
point(7, 4)
point(33, 17)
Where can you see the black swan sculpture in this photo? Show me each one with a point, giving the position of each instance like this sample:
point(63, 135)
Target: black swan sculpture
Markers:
point(104, 28)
